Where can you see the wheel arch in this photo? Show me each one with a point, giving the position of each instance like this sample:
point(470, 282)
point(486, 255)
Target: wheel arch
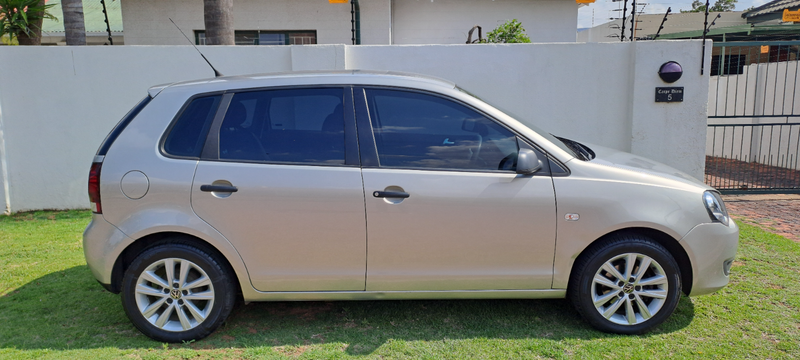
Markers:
point(140, 245)
point(670, 243)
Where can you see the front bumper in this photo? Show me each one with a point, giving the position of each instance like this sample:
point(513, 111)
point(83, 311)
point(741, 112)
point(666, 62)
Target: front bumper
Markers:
point(711, 249)
point(100, 244)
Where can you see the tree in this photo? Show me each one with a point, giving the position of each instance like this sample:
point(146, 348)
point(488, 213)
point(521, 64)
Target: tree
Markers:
point(218, 18)
point(74, 26)
point(719, 6)
point(510, 32)
point(21, 20)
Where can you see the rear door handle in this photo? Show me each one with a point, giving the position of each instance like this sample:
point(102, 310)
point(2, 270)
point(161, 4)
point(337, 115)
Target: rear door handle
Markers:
point(390, 194)
point(218, 188)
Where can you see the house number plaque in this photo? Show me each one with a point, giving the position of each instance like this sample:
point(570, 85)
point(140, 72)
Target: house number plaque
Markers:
point(669, 94)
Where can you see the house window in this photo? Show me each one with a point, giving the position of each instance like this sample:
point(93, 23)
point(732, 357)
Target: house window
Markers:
point(263, 37)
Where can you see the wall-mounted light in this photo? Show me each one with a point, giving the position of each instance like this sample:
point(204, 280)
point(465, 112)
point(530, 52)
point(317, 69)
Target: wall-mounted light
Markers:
point(670, 71)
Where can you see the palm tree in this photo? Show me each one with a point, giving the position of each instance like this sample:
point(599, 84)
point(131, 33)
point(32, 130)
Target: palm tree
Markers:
point(74, 26)
point(218, 17)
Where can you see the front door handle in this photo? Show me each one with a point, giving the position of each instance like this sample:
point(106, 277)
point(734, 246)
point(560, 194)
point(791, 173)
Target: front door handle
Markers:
point(390, 194)
point(218, 188)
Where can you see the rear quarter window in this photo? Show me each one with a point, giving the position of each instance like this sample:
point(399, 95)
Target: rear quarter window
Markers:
point(187, 135)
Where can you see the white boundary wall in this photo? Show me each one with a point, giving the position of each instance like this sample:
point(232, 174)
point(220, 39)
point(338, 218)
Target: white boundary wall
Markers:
point(60, 102)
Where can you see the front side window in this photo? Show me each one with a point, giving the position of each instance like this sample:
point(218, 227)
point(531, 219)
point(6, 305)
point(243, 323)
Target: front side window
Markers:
point(292, 126)
point(415, 130)
point(187, 136)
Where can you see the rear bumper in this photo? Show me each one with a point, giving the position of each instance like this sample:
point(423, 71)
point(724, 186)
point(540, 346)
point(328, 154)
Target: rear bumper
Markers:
point(108, 287)
point(711, 249)
point(100, 244)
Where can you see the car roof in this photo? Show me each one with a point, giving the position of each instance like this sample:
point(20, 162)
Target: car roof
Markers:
point(353, 77)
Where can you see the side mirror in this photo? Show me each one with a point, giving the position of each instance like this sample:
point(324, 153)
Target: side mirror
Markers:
point(527, 162)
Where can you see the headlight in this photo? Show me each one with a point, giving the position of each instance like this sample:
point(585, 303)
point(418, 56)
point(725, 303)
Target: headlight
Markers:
point(716, 208)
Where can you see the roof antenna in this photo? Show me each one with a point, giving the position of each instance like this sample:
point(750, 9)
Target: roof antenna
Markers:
point(216, 73)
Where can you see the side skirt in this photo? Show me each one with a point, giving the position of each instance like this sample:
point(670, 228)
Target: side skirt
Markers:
point(405, 295)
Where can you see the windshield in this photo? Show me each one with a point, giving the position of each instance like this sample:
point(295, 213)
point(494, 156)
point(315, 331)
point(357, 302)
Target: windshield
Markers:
point(555, 140)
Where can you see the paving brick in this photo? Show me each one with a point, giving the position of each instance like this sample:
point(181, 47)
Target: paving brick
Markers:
point(779, 214)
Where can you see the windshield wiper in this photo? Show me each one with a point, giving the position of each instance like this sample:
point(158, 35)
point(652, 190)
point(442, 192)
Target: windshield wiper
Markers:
point(583, 152)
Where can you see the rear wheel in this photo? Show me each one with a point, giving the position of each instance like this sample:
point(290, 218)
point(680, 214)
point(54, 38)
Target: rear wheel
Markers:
point(177, 292)
point(627, 285)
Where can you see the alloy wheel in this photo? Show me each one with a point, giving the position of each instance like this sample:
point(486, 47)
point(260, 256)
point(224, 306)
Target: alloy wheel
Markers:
point(629, 289)
point(174, 294)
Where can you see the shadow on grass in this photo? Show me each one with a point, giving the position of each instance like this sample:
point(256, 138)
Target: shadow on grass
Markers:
point(69, 310)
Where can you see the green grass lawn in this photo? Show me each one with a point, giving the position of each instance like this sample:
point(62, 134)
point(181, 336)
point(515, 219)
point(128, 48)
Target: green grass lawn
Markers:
point(51, 307)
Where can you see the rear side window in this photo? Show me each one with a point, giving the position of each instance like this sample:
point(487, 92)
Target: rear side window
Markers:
point(287, 125)
point(188, 134)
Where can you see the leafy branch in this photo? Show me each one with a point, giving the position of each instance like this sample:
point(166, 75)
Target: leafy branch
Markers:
point(510, 32)
point(20, 17)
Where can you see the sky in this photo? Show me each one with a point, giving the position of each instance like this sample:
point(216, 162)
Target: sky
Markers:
point(601, 11)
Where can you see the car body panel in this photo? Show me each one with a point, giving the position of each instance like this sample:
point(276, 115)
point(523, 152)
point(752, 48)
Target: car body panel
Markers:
point(403, 295)
point(299, 228)
point(612, 196)
point(715, 244)
point(459, 231)
point(101, 244)
point(166, 207)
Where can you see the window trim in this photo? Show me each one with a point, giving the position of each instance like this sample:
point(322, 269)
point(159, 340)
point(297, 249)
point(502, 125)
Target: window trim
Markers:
point(162, 142)
point(370, 149)
point(210, 150)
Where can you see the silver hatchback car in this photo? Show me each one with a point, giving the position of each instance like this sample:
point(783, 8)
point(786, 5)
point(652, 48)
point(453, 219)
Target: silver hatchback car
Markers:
point(365, 186)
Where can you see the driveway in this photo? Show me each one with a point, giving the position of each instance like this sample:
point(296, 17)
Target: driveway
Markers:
point(779, 214)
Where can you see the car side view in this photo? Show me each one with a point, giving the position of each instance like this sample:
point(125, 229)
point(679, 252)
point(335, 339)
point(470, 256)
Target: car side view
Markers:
point(357, 185)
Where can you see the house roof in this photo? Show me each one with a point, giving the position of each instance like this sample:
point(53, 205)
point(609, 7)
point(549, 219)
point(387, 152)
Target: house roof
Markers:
point(648, 24)
point(680, 22)
point(771, 7)
point(92, 15)
point(742, 32)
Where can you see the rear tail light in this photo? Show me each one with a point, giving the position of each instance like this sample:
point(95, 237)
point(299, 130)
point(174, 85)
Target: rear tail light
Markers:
point(94, 187)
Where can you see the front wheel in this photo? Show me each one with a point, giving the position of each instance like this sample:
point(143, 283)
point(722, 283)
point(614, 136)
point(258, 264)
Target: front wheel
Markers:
point(627, 285)
point(177, 292)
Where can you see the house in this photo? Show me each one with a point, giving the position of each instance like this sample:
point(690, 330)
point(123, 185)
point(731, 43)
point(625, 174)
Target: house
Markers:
point(94, 19)
point(763, 23)
point(756, 38)
point(381, 22)
point(771, 13)
point(648, 25)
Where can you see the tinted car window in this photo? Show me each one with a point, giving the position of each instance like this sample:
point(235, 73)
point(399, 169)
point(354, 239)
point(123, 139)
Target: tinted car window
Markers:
point(295, 126)
point(415, 130)
point(189, 132)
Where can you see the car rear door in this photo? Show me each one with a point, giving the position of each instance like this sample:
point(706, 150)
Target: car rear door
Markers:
point(445, 208)
point(280, 178)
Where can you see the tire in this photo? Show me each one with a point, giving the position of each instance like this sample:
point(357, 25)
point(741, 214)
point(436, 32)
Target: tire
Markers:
point(191, 309)
point(603, 296)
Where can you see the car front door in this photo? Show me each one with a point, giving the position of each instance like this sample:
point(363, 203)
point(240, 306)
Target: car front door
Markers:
point(445, 207)
point(279, 180)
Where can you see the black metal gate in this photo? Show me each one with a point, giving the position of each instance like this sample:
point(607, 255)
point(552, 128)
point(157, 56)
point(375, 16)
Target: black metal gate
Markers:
point(753, 140)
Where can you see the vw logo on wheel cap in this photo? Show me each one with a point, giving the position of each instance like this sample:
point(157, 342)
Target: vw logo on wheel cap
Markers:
point(628, 288)
point(175, 294)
